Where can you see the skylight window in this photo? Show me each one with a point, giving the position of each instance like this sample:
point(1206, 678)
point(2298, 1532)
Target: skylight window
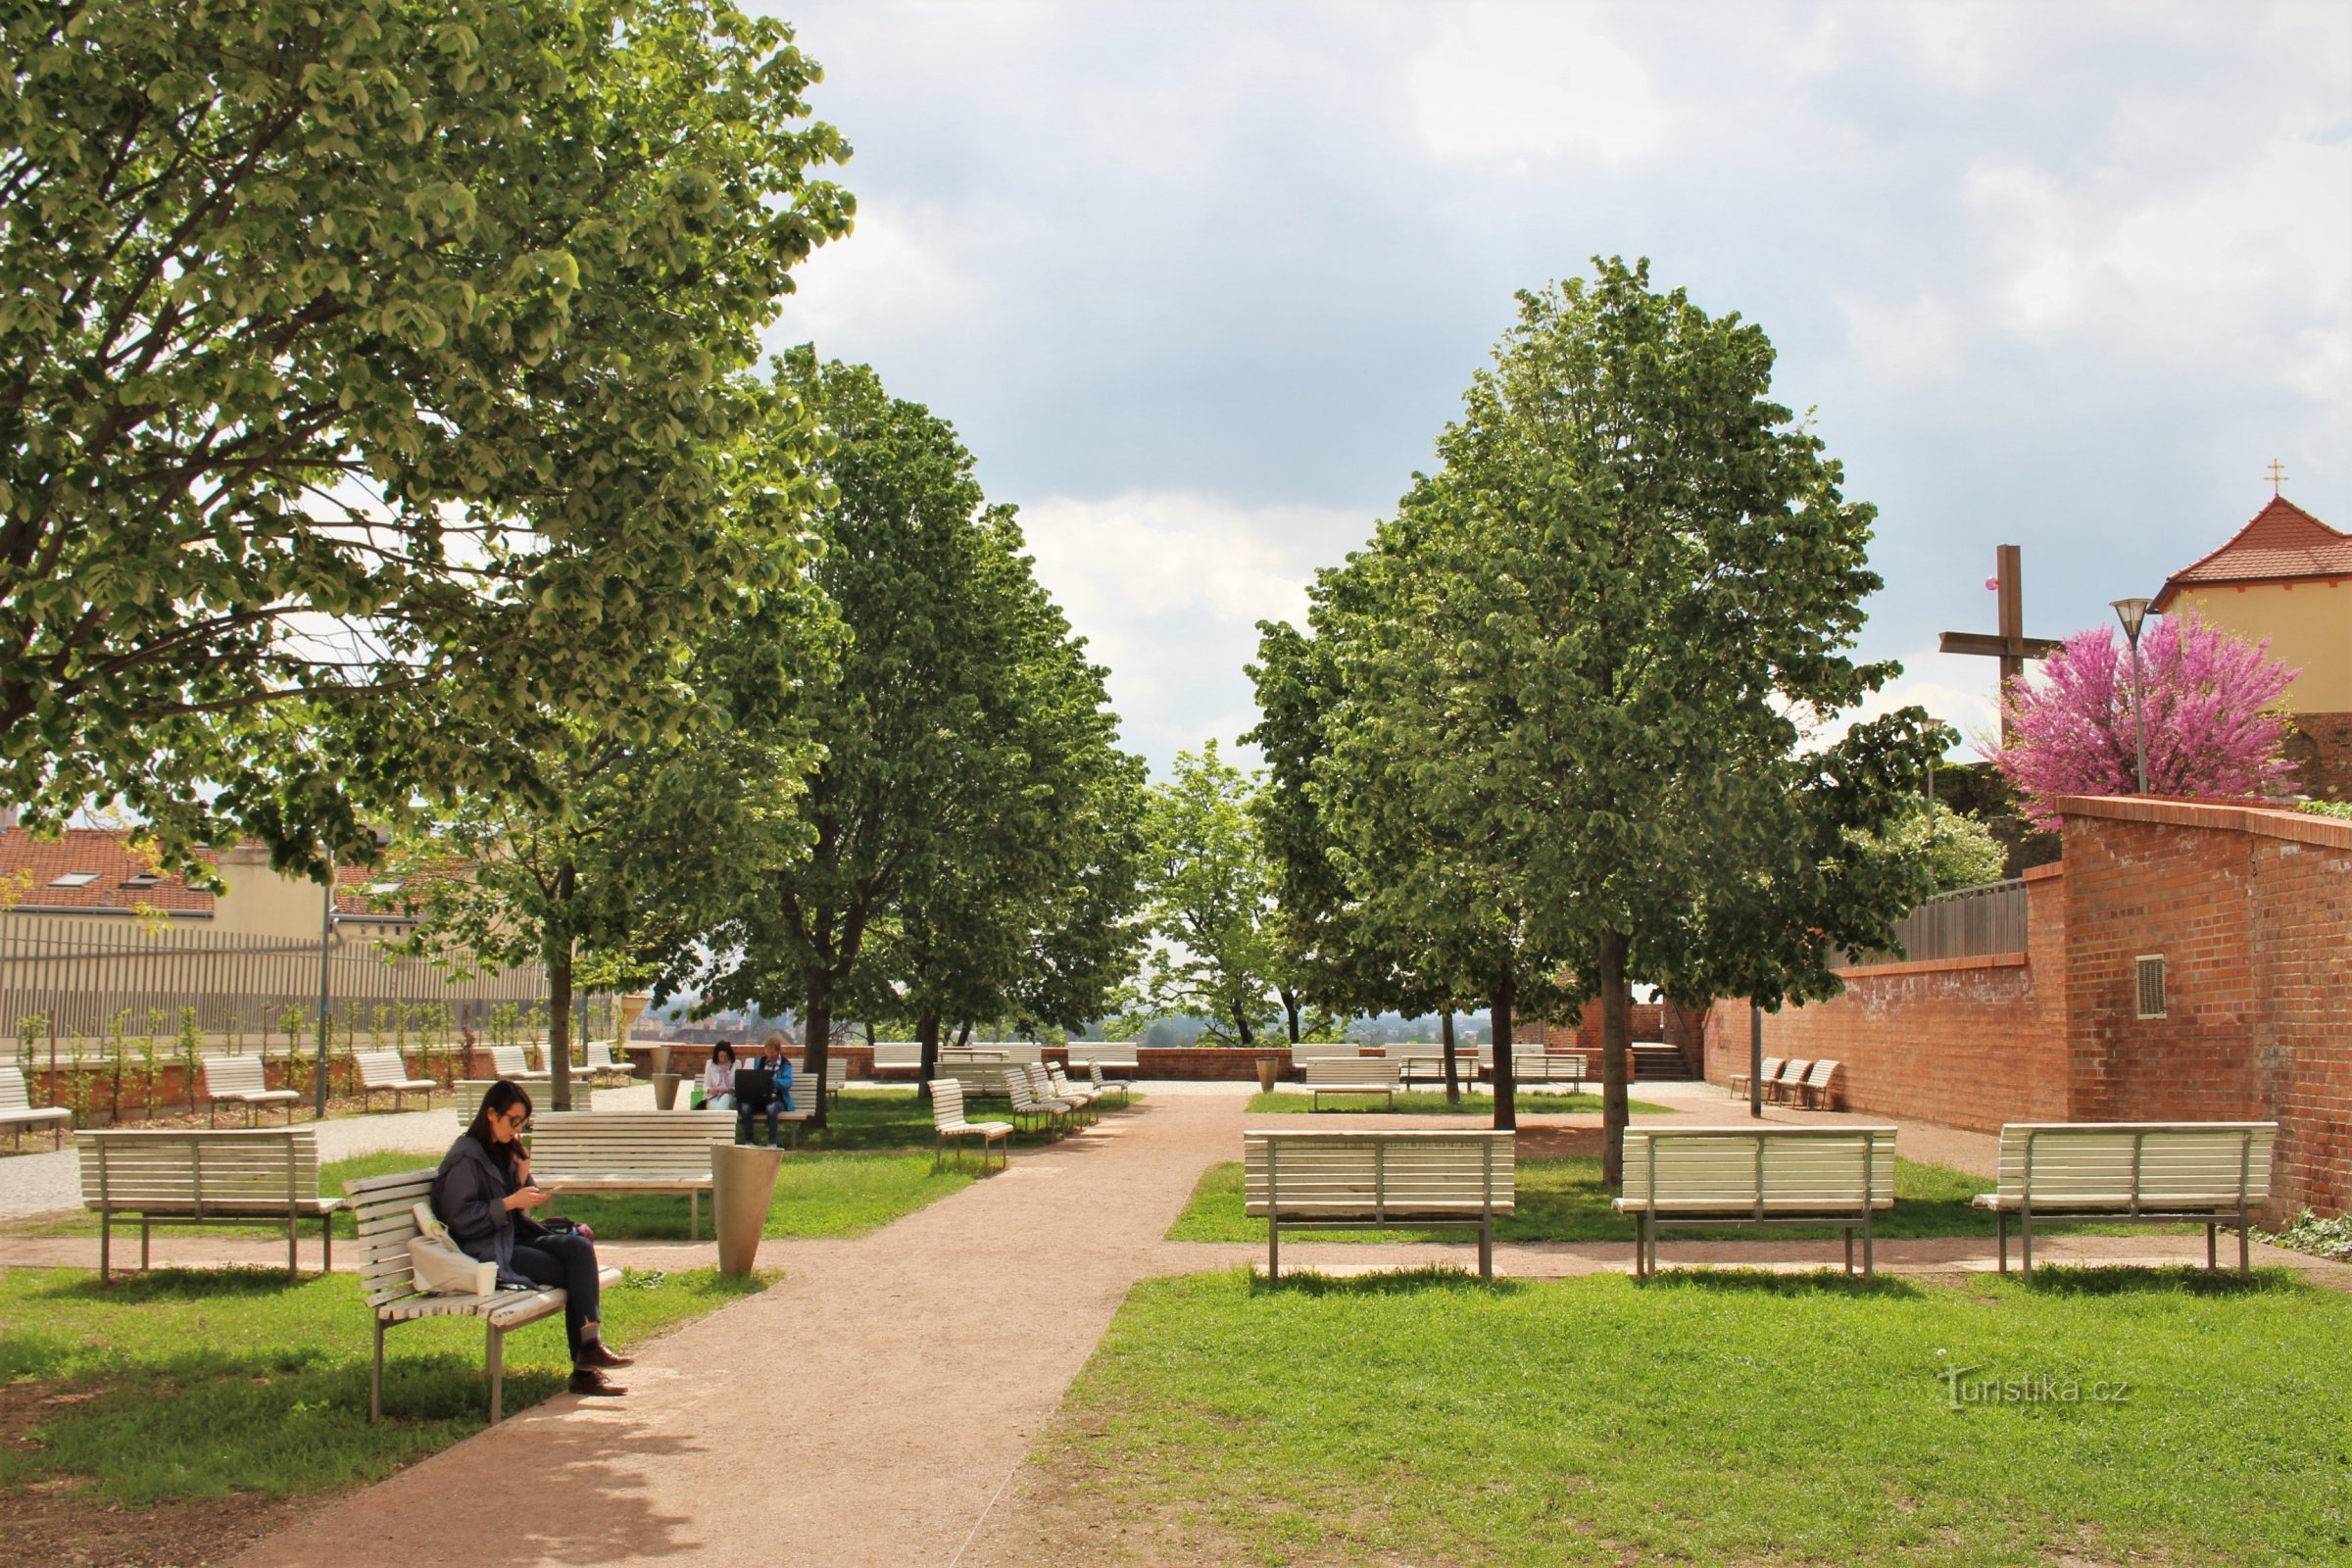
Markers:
point(142, 879)
point(75, 879)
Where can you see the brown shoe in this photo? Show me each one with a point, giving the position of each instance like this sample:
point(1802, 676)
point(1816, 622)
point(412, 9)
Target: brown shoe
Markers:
point(599, 1354)
point(589, 1381)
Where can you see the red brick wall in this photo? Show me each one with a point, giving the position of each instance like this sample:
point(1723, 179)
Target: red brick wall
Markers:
point(1969, 1043)
point(2252, 913)
point(1646, 1022)
point(2321, 749)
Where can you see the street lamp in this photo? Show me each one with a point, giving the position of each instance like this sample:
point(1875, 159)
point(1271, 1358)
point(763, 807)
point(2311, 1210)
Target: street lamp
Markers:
point(2131, 611)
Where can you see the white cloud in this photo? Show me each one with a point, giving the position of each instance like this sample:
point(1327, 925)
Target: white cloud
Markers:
point(1508, 80)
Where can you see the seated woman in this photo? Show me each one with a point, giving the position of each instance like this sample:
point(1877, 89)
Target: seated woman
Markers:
point(481, 1192)
point(719, 1079)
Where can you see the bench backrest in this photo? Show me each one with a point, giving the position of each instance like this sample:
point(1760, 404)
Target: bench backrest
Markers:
point(234, 1075)
point(380, 1067)
point(1764, 1169)
point(976, 1077)
point(384, 1208)
point(12, 1090)
point(1329, 1173)
point(1021, 1050)
point(947, 1104)
point(1107, 1052)
point(509, 1061)
point(1307, 1050)
point(469, 1092)
point(1768, 1070)
point(1821, 1074)
point(898, 1052)
point(658, 1144)
point(1794, 1070)
point(1370, 1071)
point(198, 1168)
point(2138, 1165)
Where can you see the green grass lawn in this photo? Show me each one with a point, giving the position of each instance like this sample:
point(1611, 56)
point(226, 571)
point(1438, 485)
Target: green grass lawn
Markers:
point(1731, 1418)
point(201, 1383)
point(1564, 1200)
point(1433, 1102)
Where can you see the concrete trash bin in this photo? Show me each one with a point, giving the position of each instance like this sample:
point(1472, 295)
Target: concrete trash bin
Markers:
point(743, 1177)
point(666, 1090)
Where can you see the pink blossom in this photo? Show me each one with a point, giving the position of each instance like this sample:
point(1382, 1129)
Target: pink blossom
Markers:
point(2212, 727)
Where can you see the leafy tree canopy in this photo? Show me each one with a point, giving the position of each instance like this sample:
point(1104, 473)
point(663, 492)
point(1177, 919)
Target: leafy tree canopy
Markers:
point(368, 368)
point(1209, 901)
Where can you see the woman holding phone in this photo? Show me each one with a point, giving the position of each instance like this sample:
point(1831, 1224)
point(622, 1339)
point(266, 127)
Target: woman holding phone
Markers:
point(483, 1192)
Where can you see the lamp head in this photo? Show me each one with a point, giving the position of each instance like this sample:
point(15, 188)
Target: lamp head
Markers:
point(2131, 611)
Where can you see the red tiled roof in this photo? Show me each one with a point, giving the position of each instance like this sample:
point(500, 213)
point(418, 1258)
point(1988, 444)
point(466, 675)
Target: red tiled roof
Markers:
point(106, 858)
point(2283, 544)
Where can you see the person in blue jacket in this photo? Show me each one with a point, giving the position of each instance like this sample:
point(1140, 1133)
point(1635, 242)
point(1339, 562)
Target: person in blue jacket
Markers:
point(772, 1060)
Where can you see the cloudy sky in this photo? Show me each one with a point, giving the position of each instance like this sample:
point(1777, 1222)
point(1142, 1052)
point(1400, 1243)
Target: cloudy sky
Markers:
point(1200, 283)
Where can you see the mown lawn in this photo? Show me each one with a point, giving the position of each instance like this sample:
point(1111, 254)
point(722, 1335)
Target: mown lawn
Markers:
point(200, 1383)
point(1726, 1417)
point(1564, 1200)
point(1433, 1102)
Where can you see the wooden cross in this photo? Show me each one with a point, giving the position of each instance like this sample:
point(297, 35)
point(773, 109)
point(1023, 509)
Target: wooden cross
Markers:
point(2012, 646)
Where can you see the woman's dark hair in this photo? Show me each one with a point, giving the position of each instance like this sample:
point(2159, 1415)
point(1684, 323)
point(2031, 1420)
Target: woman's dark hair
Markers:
point(723, 1049)
point(501, 1097)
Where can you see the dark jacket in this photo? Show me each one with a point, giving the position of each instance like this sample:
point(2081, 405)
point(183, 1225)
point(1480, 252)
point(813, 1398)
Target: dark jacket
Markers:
point(469, 1192)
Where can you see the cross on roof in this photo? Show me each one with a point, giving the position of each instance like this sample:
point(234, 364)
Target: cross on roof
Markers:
point(2012, 646)
point(2278, 475)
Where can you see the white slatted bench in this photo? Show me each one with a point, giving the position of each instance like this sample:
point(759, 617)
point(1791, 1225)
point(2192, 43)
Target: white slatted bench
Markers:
point(204, 1177)
point(2213, 1172)
point(1351, 1075)
point(17, 1111)
point(1307, 1050)
point(239, 1081)
point(624, 1152)
point(472, 1089)
point(1716, 1176)
point(1392, 1179)
point(384, 1072)
point(1426, 1065)
point(948, 1122)
point(385, 1209)
point(1124, 1088)
point(898, 1056)
point(1111, 1056)
point(510, 1062)
point(1818, 1087)
point(1782, 1088)
point(1548, 1067)
point(981, 1080)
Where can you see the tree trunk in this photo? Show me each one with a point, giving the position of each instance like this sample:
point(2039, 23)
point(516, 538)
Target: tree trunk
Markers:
point(963, 1034)
point(926, 1032)
point(1506, 1087)
point(1241, 1028)
point(558, 998)
point(816, 1039)
point(1616, 1025)
point(1453, 1076)
point(1290, 1008)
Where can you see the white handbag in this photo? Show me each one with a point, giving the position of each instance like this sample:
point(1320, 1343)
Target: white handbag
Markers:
point(437, 1265)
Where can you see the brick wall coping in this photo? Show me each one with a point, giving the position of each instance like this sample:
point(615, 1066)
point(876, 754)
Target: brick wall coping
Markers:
point(1887, 971)
point(2268, 823)
point(2042, 873)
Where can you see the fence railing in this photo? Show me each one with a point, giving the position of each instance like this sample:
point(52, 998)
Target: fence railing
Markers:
point(1966, 923)
point(236, 990)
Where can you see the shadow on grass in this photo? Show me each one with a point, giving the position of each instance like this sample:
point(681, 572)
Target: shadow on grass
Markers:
point(1387, 1281)
point(2112, 1280)
point(160, 1285)
point(1787, 1286)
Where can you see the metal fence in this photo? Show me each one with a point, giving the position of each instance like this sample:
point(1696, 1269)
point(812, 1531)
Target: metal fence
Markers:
point(92, 988)
point(1967, 923)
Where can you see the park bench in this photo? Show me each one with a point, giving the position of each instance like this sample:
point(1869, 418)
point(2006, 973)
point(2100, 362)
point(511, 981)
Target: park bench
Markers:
point(2213, 1172)
point(980, 1079)
point(469, 1092)
point(1769, 1069)
point(898, 1056)
point(239, 1081)
point(948, 1122)
point(625, 1152)
point(1778, 1175)
point(17, 1111)
point(1050, 1110)
point(1784, 1088)
point(1352, 1075)
point(509, 1061)
point(385, 1208)
point(1818, 1087)
point(384, 1072)
point(1548, 1067)
point(204, 1177)
point(1125, 1088)
point(1391, 1179)
point(1307, 1050)
point(1111, 1056)
point(1052, 1081)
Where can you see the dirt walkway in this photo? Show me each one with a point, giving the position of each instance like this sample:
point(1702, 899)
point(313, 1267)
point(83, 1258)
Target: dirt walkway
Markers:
point(878, 1397)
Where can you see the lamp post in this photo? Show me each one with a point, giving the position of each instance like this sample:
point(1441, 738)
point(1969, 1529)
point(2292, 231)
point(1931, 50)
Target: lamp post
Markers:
point(2131, 611)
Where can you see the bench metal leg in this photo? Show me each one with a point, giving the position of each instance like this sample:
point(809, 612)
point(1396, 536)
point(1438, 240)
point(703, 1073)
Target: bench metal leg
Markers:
point(2025, 1241)
point(293, 1235)
point(2210, 1263)
point(693, 1214)
point(2000, 1228)
point(326, 1244)
point(1870, 1264)
point(494, 1361)
point(1849, 1249)
point(1273, 1249)
point(106, 1243)
point(1486, 1250)
point(375, 1381)
point(2245, 1251)
point(145, 1228)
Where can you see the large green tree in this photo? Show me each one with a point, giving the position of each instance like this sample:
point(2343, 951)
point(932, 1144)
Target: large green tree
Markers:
point(1579, 668)
point(364, 370)
point(1209, 900)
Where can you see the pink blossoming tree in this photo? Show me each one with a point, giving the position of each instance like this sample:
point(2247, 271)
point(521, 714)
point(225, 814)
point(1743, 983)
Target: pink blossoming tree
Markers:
point(2212, 730)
